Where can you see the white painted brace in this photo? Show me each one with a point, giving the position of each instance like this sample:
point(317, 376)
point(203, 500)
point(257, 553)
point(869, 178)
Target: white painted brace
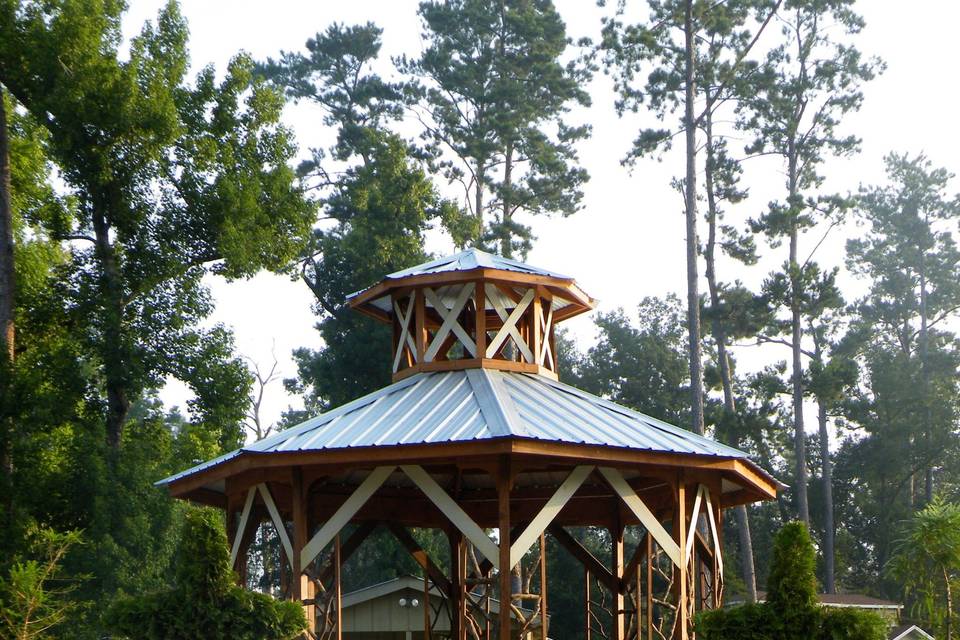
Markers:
point(470, 529)
point(643, 513)
point(244, 517)
point(343, 515)
point(277, 522)
point(549, 511)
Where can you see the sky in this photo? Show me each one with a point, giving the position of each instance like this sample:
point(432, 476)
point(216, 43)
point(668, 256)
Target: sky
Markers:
point(627, 242)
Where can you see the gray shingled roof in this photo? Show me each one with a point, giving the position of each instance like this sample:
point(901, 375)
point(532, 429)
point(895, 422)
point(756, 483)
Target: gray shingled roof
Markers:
point(479, 404)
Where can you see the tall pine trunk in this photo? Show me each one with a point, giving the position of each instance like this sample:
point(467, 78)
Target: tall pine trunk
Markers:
point(925, 373)
point(506, 250)
point(747, 568)
point(796, 337)
point(826, 479)
point(7, 327)
point(690, 197)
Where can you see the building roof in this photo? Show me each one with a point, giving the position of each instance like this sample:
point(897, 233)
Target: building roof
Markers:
point(909, 632)
point(405, 583)
point(479, 404)
point(473, 259)
point(846, 600)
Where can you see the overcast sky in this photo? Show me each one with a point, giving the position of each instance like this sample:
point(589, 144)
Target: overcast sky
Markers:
point(627, 242)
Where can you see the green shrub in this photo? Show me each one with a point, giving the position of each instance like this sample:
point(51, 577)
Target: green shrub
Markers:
point(851, 624)
point(205, 601)
point(792, 611)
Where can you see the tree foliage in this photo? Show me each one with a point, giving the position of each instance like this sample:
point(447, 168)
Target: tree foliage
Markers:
point(491, 90)
point(204, 600)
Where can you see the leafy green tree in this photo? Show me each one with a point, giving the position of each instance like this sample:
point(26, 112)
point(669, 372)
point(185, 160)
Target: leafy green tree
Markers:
point(491, 92)
point(204, 601)
point(376, 203)
point(173, 180)
point(810, 79)
point(640, 365)
point(383, 208)
point(35, 595)
point(927, 562)
point(910, 256)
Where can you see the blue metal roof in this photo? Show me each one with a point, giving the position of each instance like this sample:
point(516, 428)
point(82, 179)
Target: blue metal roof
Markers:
point(479, 404)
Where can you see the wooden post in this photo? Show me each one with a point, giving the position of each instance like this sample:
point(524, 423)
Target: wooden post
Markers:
point(303, 586)
point(427, 634)
point(503, 504)
point(458, 577)
point(480, 302)
point(420, 318)
point(587, 622)
point(616, 536)
point(543, 586)
point(338, 594)
point(682, 624)
point(649, 586)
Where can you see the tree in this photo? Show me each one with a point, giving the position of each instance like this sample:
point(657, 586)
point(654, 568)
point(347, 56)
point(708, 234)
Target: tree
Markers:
point(809, 81)
point(35, 596)
point(792, 609)
point(694, 51)
point(491, 91)
point(204, 601)
point(912, 260)
point(173, 180)
point(927, 561)
point(376, 199)
point(383, 207)
point(640, 365)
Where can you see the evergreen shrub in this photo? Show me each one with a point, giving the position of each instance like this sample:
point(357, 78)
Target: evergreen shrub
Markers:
point(204, 601)
point(791, 611)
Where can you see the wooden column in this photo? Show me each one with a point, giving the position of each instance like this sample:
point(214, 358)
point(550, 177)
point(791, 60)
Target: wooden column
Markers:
point(456, 596)
point(480, 301)
point(303, 586)
point(543, 586)
point(505, 577)
point(682, 625)
point(618, 631)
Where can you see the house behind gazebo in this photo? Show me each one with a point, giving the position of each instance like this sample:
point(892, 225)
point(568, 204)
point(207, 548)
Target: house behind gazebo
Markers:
point(477, 433)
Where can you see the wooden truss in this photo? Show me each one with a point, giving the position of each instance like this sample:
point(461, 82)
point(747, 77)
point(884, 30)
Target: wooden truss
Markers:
point(676, 570)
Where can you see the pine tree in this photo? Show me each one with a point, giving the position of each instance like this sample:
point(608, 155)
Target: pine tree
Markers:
point(491, 92)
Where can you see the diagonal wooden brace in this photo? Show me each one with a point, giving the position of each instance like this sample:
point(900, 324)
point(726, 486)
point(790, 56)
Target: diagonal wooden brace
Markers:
point(342, 516)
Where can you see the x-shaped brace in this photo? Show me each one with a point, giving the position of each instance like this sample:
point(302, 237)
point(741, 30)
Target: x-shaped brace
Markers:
point(450, 321)
point(405, 336)
point(509, 328)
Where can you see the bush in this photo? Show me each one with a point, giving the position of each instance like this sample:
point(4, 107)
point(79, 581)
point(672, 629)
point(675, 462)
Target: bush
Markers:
point(791, 611)
point(205, 601)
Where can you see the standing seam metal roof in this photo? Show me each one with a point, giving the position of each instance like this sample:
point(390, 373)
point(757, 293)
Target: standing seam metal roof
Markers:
point(479, 404)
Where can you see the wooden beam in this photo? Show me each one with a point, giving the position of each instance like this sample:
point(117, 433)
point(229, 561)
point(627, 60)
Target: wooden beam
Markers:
point(303, 587)
point(453, 511)
point(581, 553)
point(331, 528)
point(642, 512)
point(242, 526)
point(419, 555)
point(549, 511)
point(277, 521)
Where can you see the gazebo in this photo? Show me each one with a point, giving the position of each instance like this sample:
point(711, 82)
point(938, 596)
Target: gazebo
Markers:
point(478, 438)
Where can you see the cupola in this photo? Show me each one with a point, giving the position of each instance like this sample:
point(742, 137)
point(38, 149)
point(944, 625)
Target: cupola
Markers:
point(473, 310)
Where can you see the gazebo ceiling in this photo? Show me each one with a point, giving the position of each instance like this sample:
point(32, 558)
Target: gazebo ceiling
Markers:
point(484, 409)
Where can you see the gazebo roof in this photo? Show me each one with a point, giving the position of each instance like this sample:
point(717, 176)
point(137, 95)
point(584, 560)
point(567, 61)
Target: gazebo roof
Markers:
point(475, 405)
point(473, 259)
